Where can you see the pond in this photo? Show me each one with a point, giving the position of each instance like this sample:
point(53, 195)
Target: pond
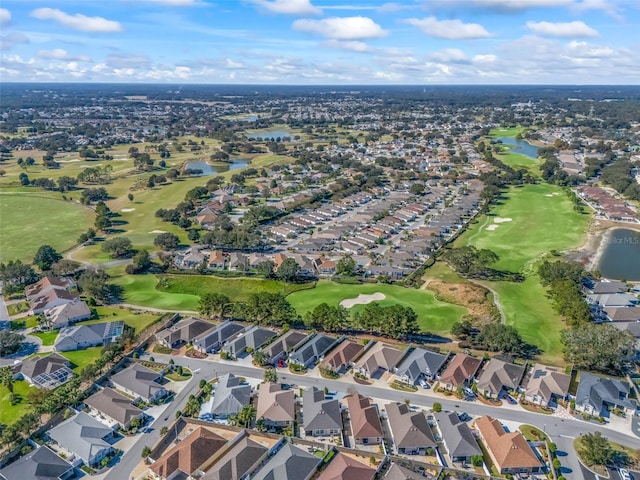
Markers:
point(268, 135)
point(620, 259)
point(520, 146)
point(215, 168)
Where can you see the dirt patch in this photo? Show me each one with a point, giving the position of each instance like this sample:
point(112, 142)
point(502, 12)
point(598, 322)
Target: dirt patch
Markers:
point(473, 297)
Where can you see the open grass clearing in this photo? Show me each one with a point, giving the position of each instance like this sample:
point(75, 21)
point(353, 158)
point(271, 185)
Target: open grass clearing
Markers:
point(48, 338)
point(28, 221)
point(136, 319)
point(12, 413)
point(141, 290)
point(506, 131)
point(433, 315)
point(533, 434)
point(82, 358)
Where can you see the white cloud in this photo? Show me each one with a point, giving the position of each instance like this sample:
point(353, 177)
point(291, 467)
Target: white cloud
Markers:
point(170, 3)
point(288, 7)
point(11, 39)
point(562, 29)
point(351, 45)
point(342, 28)
point(522, 4)
point(449, 55)
point(77, 21)
point(484, 58)
point(5, 16)
point(449, 29)
point(60, 54)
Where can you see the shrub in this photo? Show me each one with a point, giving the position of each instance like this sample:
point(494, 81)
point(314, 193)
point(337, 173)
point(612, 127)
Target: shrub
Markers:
point(437, 407)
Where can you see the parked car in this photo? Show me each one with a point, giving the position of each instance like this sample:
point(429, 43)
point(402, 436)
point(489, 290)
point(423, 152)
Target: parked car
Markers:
point(624, 474)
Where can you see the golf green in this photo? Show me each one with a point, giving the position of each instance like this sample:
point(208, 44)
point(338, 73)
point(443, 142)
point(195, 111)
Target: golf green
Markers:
point(433, 315)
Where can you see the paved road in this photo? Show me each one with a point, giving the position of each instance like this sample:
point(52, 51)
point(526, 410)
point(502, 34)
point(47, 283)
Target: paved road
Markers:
point(122, 470)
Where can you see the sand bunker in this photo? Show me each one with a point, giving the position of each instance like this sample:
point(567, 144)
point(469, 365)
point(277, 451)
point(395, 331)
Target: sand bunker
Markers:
point(502, 220)
point(362, 299)
point(157, 231)
point(68, 161)
point(491, 228)
point(548, 195)
point(125, 210)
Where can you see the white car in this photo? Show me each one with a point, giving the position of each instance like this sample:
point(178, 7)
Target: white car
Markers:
point(624, 474)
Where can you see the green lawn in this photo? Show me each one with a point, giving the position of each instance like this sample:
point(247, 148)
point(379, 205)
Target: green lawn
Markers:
point(48, 338)
point(11, 413)
point(141, 290)
point(138, 320)
point(433, 315)
point(28, 220)
point(506, 132)
point(542, 219)
point(82, 358)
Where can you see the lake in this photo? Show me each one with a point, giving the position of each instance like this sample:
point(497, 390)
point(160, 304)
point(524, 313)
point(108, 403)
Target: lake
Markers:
point(520, 146)
point(213, 169)
point(270, 134)
point(621, 257)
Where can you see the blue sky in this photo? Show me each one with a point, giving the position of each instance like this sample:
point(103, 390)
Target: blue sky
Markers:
point(322, 41)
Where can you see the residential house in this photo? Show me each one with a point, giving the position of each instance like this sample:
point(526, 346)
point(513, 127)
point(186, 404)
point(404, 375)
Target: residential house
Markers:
point(212, 340)
point(509, 452)
point(187, 456)
point(113, 408)
point(183, 332)
point(190, 259)
point(396, 472)
point(341, 357)
point(460, 371)
point(217, 260)
point(365, 420)
point(326, 267)
point(313, 350)
point(597, 395)
point(39, 464)
point(411, 432)
point(420, 365)
point(253, 337)
point(278, 349)
point(275, 406)
point(623, 314)
point(457, 437)
point(238, 262)
point(140, 383)
point(85, 336)
point(67, 314)
point(45, 285)
point(229, 398)
point(47, 372)
point(345, 467)
point(242, 456)
point(289, 463)
point(546, 385)
point(600, 288)
point(378, 359)
point(53, 298)
point(321, 417)
point(498, 375)
point(83, 437)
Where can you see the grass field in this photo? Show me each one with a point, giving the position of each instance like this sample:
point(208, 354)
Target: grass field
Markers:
point(542, 219)
point(11, 413)
point(136, 319)
point(433, 315)
point(48, 338)
point(141, 290)
point(82, 358)
point(28, 220)
point(506, 132)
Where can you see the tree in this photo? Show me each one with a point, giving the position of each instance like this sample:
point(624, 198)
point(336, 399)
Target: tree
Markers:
point(103, 223)
point(119, 247)
point(24, 179)
point(65, 267)
point(498, 337)
point(10, 342)
point(270, 375)
point(266, 268)
point(437, 407)
point(45, 257)
point(288, 270)
point(6, 378)
point(66, 183)
point(246, 415)
point(417, 189)
point(477, 460)
point(167, 241)
point(214, 304)
point(461, 329)
point(130, 197)
point(146, 451)
point(94, 284)
point(596, 449)
point(327, 317)
point(346, 266)
point(15, 275)
point(601, 348)
point(260, 358)
point(265, 308)
point(89, 235)
point(141, 261)
point(470, 261)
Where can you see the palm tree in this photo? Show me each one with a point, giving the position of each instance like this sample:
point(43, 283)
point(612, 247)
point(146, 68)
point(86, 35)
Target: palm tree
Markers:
point(246, 415)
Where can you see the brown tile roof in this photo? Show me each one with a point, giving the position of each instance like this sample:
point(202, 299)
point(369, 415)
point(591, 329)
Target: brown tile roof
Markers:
point(274, 403)
point(343, 354)
point(460, 368)
point(508, 450)
point(41, 285)
point(344, 467)
point(189, 454)
point(365, 421)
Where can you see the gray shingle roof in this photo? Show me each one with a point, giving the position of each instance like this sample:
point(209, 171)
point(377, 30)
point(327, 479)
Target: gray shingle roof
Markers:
point(229, 396)
point(237, 461)
point(82, 435)
point(39, 464)
point(289, 463)
point(457, 436)
point(498, 374)
point(114, 405)
point(314, 348)
point(420, 361)
point(410, 429)
point(71, 338)
point(598, 391)
point(138, 379)
point(320, 414)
